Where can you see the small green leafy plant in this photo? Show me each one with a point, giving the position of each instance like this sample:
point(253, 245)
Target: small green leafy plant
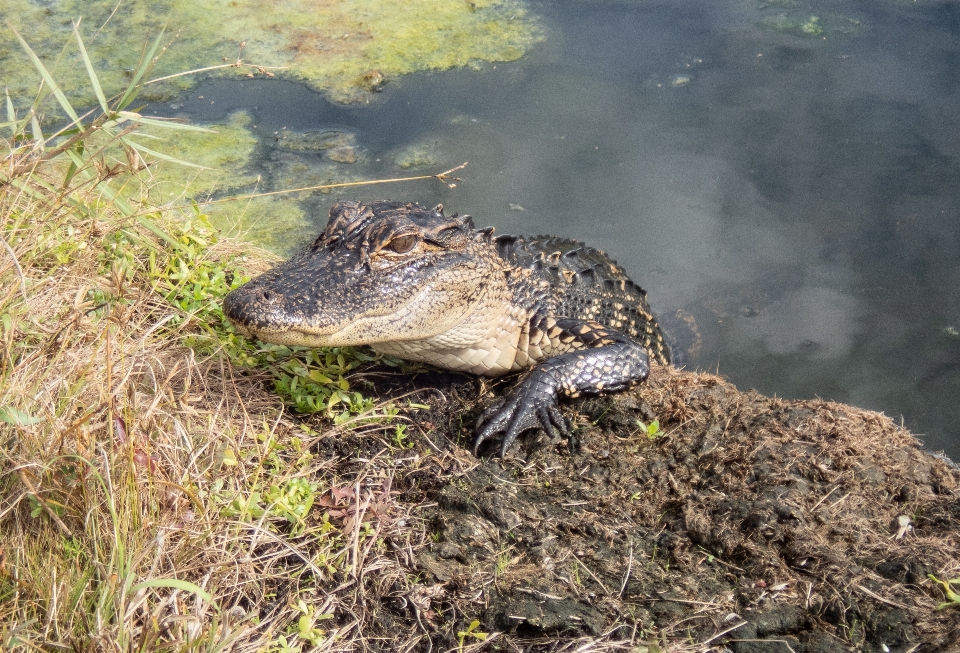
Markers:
point(471, 631)
point(651, 430)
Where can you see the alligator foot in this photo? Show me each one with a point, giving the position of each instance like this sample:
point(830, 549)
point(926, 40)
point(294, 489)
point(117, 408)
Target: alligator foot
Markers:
point(531, 404)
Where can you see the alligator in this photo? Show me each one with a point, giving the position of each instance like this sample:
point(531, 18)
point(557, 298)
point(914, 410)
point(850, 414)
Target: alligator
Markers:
point(414, 283)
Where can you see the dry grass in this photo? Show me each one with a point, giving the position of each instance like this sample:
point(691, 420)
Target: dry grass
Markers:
point(150, 498)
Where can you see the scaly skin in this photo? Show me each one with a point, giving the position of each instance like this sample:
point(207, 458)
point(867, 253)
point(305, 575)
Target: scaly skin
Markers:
point(414, 283)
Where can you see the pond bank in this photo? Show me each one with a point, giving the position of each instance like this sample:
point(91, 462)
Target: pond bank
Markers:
point(152, 475)
point(755, 522)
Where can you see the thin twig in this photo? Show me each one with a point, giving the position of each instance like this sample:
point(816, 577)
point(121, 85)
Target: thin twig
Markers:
point(105, 22)
point(724, 632)
point(825, 496)
point(592, 575)
point(626, 576)
point(16, 264)
point(764, 641)
point(236, 64)
point(881, 599)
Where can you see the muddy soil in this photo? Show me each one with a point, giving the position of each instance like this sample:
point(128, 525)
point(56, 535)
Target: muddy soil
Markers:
point(747, 523)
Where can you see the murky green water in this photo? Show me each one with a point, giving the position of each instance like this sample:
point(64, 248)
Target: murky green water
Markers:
point(782, 175)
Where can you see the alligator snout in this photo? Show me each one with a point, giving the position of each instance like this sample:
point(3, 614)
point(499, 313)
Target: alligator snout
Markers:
point(250, 306)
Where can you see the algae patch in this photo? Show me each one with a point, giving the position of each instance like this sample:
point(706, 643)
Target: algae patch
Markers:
point(224, 154)
point(347, 49)
point(274, 223)
point(419, 155)
point(335, 145)
point(811, 25)
point(277, 222)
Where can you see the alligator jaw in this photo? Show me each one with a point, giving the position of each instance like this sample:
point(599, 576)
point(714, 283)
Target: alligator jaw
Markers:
point(297, 336)
point(402, 322)
point(289, 337)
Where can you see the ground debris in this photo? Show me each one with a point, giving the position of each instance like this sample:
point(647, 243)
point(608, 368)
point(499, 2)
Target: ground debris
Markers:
point(748, 523)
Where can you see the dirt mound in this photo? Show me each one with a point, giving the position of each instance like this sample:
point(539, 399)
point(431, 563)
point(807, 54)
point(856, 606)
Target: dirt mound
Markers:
point(748, 523)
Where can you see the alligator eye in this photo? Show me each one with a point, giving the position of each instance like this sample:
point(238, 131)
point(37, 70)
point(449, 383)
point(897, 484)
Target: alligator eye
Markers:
point(402, 244)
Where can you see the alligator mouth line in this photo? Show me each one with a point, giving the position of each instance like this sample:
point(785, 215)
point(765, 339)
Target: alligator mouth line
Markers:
point(332, 335)
point(337, 335)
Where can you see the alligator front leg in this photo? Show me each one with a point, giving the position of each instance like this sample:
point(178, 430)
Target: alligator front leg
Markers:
point(598, 360)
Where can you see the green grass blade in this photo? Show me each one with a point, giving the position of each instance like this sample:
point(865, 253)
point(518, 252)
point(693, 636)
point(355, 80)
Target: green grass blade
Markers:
point(76, 159)
point(161, 234)
point(118, 201)
point(28, 189)
point(47, 77)
point(159, 155)
point(37, 132)
point(166, 124)
point(94, 80)
point(182, 585)
point(133, 89)
point(150, 137)
point(15, 126)
point(77, 166)
point(11, 114)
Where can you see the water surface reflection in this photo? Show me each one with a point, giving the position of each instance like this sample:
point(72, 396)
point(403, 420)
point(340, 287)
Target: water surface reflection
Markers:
point(794, 192)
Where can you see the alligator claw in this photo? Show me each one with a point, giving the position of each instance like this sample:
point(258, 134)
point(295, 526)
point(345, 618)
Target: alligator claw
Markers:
point(531, 404)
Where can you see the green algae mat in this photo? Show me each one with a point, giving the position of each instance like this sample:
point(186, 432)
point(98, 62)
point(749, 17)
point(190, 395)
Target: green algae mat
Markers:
point(345, 49)
point(340, 47)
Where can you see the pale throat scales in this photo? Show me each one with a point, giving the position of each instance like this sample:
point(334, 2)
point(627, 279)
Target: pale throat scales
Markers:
point(493, 339)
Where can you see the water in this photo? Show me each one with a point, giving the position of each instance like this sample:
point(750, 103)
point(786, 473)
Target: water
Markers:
point(793, 195)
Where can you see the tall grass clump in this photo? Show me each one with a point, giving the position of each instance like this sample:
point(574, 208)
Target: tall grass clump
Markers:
point(151, 498)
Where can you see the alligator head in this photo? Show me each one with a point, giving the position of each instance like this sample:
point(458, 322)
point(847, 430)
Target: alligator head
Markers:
point(383, 272)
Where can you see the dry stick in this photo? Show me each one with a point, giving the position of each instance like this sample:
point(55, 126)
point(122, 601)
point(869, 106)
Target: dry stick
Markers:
point(782, 641)
point(592, 575)
point(881, 599)
point(724, 632)
point(120, 2)
point(817, 504)
point(442, 176)
point(356, 531)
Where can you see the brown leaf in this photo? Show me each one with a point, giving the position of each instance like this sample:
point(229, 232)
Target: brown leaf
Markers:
point(341, 493)
point(141, 459)
point(120, 428)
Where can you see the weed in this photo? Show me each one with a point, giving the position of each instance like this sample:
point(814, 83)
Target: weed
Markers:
point(504, 559)
point(400, 437)
point(953, 598)
point(651, 430)
point(471, 631)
